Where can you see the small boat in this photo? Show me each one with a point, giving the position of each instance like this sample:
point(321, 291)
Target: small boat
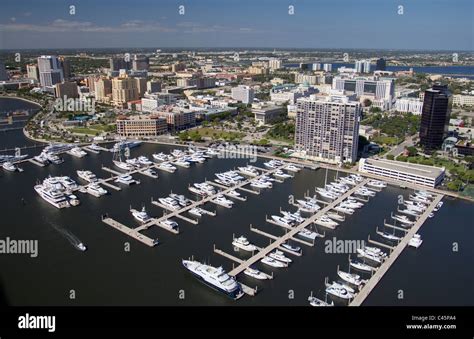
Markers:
point(196, 211)
point(315, 302)
point(81, 247)
point(254, 273)
point(272, 262)
point(242, 243)
point(351, 278)
point(141, 216)
point(8, 166)
point(169, 224)
point(338, 291)
point(335, 216)
point(125, 179)
point(291, 247)
point(389, 236)
point(280, 256)
point(415, 241)
point(362, 266)
point(123, 165)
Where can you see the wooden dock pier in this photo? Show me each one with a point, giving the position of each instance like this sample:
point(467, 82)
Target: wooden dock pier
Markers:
point(377, 276)
point(134, 233)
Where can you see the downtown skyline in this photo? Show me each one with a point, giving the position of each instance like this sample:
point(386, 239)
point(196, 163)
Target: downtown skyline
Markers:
point(438, 25)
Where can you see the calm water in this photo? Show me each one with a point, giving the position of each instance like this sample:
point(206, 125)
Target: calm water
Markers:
point(107, 275)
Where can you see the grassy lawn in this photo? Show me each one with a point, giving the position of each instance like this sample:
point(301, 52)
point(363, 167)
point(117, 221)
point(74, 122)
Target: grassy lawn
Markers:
point(217, 134)
point(85, 130)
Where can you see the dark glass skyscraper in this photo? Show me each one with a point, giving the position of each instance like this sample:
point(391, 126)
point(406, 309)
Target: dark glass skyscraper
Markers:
point(381, 65)
point(435, 117)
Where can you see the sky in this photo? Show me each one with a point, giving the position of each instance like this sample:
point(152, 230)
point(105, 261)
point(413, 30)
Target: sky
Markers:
point(371, 24)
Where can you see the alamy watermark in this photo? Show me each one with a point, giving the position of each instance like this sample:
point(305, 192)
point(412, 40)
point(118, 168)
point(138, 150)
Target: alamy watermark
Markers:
point(339, 246)
point(86, 105)
point(12, 246)
point(237, 152)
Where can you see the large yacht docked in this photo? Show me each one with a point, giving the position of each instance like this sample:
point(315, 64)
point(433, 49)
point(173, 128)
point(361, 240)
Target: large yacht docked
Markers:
point(243, 243)
point(87, 175)
point(214, 277)
point(77, 152)
point(52, 195)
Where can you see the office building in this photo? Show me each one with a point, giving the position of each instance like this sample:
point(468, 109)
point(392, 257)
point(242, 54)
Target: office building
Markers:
point(153, 86)
point(274, 64)
point(32, 71)
point(409, 105)
point(66, 90)
point(362, 66)
point(463, 100)
point(266, 113)
point(50, 70)
point(141, 86)
point(140, 63)
point(244, 94)
point(424, 175)
point(66, 67)
point(327, 67)
point(308, 79)
point(3, 71)
point(381, 65)
point(435, 117)
point(381, 89)
point(178, 67)
point(177, 118)
point(103, 90)
point(123, 90)
point(118, 63)
point(141, 126)
point(327, 128)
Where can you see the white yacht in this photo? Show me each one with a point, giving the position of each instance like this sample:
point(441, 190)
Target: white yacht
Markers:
point(365, 192)
point(152, 173)
point(169, 224)
point(305, 233)
point(8, 166)
point(293, 216)
point(182, 163)
point(326, 194)
point(212, 151)
point(438, 206)
point(96, 190)
point(234, 193)
point(87, 175)
point(181, 199)
point(415, 241)
point(53, 158)
point(283, 221)
point(419, 198)
point(280, 256)
point(197, 191)
point(307, 206)
point(243, 243)
point(166, 166)
point(254, 273)
point(281, 175)
point(272, 262)
point(403, 219)
point(292, 168)
point(95, 147)
point(42, 159)
point(123, 165)
point(377, 183)
point(361, 266)
point(54, 196)
point(290, 247)
point(335, 216)
point(222, 201)
point(338, 291)
point(73, 200)
point(214, 277)
point(77, 152)
point(170, 203)
point(249, 170)
point(272, 164)
point(369, 255)
point(343, 209)
point(134, 162)
point(68, 183)
point(81, 247)
point(351, 278)
point(160, 156)
point(389, 236)
point(141, 216)
point(144, 161)
point(125, 179)
point(196, 211)
point(348, 181)
point(325, 221)
point(315, 302)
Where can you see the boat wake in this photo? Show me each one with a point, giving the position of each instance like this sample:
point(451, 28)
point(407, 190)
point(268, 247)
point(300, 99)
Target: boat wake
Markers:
point(73, 240)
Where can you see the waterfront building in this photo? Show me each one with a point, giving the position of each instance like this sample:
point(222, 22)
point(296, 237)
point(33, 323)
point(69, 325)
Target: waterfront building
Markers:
point(435, 117)
point(123, 90)
point(362, 66)
point(424, 175)
point(66, 90)
point(141, 126)
point(244, 94)
point(327, 128)
point(381, 65)
point(327, 67)
point(409, 105)
point(274, 64)
point(50, 70)
point(177, 118)
point(309, 79)
point(32, 71)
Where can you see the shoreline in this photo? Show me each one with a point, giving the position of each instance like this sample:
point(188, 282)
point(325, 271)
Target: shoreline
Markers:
point(24, 99)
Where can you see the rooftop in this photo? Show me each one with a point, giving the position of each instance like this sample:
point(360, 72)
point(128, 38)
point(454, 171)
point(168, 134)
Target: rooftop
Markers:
point(416, 169)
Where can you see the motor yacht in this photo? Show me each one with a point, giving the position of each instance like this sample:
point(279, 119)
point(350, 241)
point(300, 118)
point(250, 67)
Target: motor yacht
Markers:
point(325, 221)
point(125, 179)
point(249, 171)
point(415, 241)
point(77, 152)
point(166, 166)
point(272, 262)
point(173, 225)
point(87, 175)
point(170, 203)
point(96, 190)
point(243, 243)
point(351, 278)
point(281, 175)
point(254, 273)
point(339, 292)
point(361, 266)
point(280, 256)
point(141, 216)
point(52, 195)
point(222, 201)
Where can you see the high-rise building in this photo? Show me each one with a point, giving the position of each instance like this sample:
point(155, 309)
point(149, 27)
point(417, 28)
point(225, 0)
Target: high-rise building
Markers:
point(50, 70)
point(178, 67)
point(381, 65)
point(103, 90)
point(3, 71)
point(244, 94)
point(153, 86)
point(140, 126)
point(274, 64)
point(66, 90)
point(124, 90)
point(141, 86)
point(140, 63)
point(66, 67)
point(327, 67)
point(435, 116)
point(362, 66)
point(327, 128)
point(381, 89)
point(32, 71)
point(118, 63)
